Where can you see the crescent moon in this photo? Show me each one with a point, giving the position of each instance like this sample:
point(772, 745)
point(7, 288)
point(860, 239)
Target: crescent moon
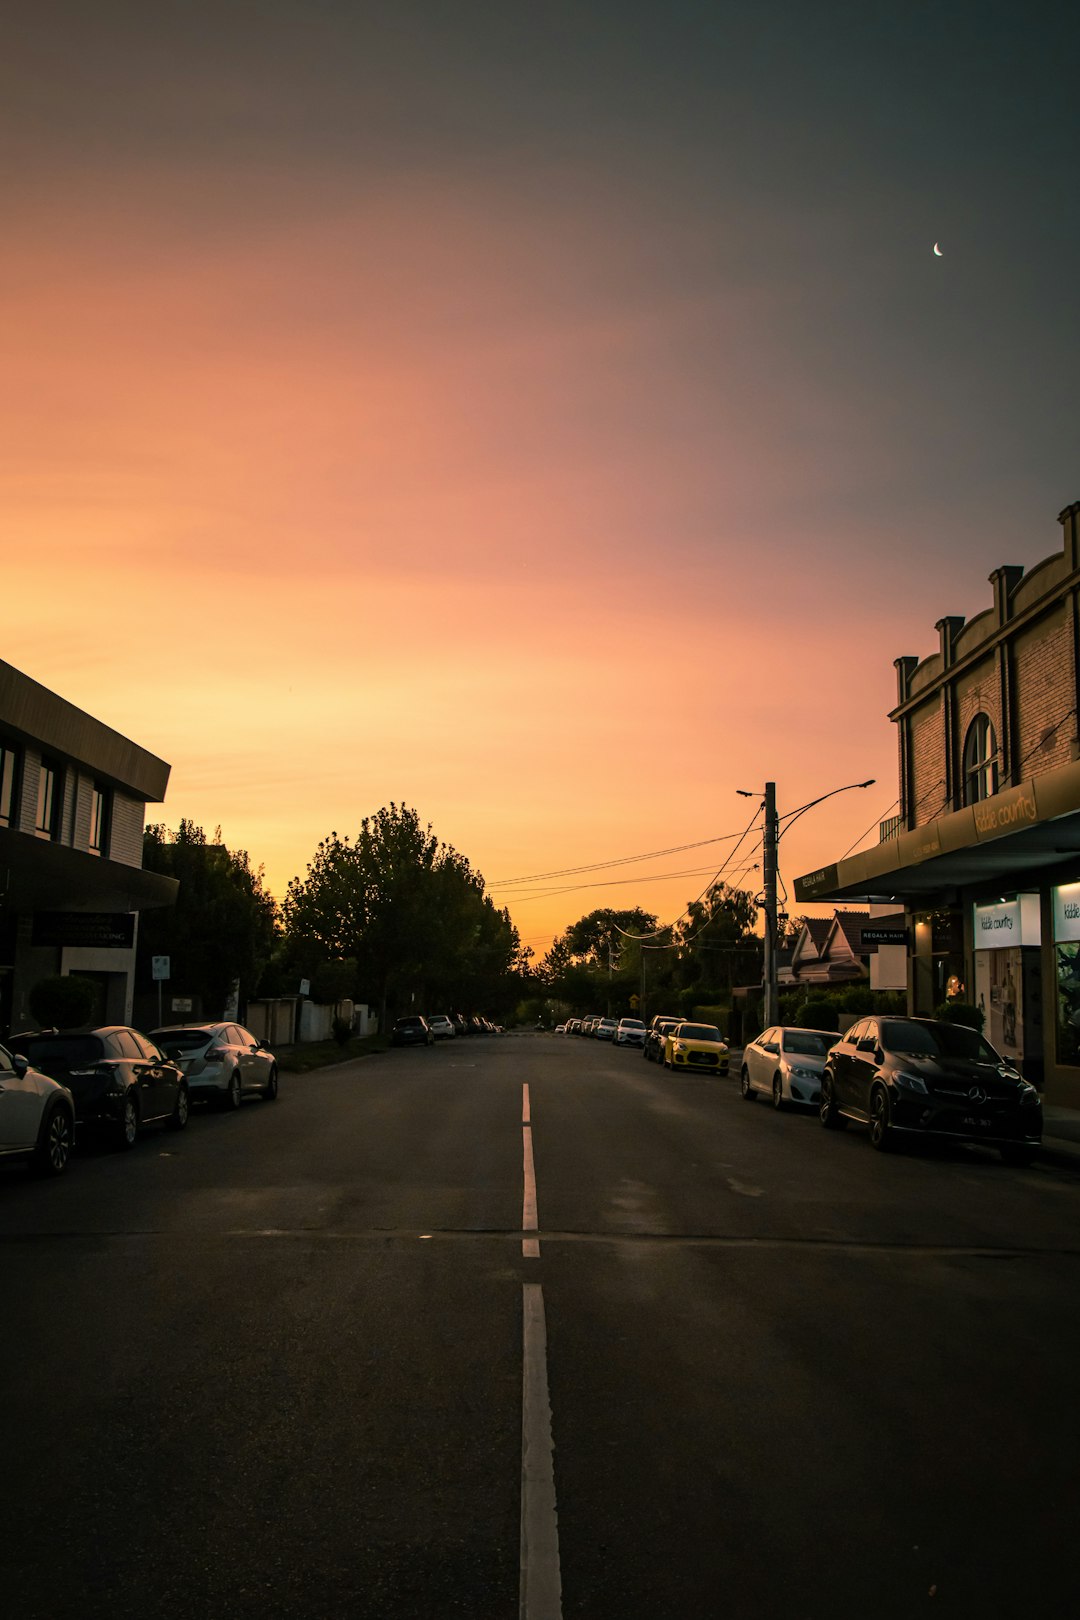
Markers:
point(938, 251)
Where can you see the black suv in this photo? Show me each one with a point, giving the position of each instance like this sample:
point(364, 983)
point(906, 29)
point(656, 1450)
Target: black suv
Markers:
point(411, 1032)
point(924, 1077)
point(656, 1034)
point(118, 1078)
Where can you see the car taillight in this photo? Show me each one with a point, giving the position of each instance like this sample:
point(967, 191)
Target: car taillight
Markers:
point(214, 1053)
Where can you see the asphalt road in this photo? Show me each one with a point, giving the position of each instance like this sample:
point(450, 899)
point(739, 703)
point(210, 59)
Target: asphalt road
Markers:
point(296, 1363)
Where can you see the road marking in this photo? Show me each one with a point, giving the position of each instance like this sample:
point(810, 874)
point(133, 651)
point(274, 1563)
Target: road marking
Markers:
point(525, 1104)
point(540, 1591)
point(530, 1246)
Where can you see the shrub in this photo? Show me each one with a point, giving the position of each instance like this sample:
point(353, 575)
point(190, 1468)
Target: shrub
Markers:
point(859, 999)
point(961, 1012)
point(817, 1013)
point(65, 1001)
point(341, 1030)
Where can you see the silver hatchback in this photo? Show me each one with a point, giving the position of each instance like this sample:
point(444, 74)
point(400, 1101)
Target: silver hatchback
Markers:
point(223, 1062)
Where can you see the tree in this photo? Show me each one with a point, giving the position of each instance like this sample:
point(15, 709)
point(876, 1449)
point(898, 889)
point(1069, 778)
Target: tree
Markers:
point(716, 939)
point(224, 924)
point(411, 912)
point(597, 960)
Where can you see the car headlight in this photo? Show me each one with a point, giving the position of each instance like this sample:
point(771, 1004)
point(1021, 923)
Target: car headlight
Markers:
point(1029, 1096)
point(911, 1082)
point(797, 1073)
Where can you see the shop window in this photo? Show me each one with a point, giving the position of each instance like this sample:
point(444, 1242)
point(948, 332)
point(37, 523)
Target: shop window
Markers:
point(1068, 1003)
point(980, 761)
point(9, 777)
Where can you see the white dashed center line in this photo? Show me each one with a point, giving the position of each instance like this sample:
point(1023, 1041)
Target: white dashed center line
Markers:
point(541, 1579)
point(530, 1246)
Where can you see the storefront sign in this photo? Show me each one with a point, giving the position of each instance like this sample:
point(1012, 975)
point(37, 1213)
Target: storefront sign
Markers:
point(1007, 923)
point(87, 930)
point(821, 881)
point(1005, 812)
point(884, 936)
point(1067, 913)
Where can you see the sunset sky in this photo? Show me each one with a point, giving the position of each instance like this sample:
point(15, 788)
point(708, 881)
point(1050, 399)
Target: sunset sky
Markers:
point(552, 416)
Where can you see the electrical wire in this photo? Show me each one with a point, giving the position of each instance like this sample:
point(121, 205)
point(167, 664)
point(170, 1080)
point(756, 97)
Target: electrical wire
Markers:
point(621, 860)
point(716, 876)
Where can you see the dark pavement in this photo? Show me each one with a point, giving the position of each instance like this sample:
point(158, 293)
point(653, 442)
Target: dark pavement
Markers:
point(273, 1366)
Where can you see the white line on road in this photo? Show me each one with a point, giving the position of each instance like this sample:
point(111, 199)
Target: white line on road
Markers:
point(525, 1103)
point(541, 1579)
point(530, 1246)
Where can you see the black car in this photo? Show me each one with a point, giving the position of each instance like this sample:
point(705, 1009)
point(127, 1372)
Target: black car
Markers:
point(411, 1032)
point(656, 1034)
point(118, 1078)
point(924, 1077)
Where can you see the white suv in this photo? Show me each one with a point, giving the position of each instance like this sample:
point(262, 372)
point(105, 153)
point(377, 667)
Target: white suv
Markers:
point(631, 1032)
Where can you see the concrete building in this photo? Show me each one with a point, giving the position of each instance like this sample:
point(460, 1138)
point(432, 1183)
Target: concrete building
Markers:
point(985, 853)
point(73, 797)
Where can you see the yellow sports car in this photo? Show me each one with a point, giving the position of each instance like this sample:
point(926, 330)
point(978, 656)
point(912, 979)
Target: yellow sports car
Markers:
point(696, 1046)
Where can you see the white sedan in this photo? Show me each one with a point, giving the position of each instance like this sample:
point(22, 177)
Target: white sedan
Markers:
point(786, 1064)
point(37, 1116)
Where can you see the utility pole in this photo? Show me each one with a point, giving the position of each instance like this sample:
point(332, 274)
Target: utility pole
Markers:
point(768, 868)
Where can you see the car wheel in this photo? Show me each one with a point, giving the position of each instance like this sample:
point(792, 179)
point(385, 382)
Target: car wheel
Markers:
point(1018, 1157)
point(234, 1096)
point(129, 1123)
point(54, 1149)
point(749, 1095)
point(270, 1088)
point(828, 1113)
point(882, 1135)
point(777, 1093)
point(181, 1109)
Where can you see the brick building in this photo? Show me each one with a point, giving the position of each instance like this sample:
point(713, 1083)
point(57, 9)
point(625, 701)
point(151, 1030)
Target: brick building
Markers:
point(985, 853)
point(73, 796)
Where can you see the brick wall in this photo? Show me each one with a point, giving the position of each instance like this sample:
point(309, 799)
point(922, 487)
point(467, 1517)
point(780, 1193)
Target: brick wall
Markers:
point(927, 762)
point(1045, 692)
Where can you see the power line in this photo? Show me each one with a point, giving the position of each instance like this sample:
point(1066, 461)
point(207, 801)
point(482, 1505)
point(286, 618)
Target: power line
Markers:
point(621, 860)
point(715, 878)
point(609, 883)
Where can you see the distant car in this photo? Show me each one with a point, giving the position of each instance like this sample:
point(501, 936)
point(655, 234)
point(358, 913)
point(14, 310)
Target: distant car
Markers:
point(221, 1062)
point(656, 1034)
point(560, 1029)
point(630, 1032)
point(697, 1047)
point(605, 1029)
point(441, 1027)
point(37, 1116)
point(119, 1079)
point(925, 1077)
point(412, 1031)
point(786, 1063)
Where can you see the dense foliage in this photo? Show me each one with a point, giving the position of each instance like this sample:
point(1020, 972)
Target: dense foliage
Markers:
point(61, 1002)
point(223, 927)
point(409, 914)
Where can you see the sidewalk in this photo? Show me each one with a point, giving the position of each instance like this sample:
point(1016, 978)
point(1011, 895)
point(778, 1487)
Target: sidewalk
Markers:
point(1061, 1134)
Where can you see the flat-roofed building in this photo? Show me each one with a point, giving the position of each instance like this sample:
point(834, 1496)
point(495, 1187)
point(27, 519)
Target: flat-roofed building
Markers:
point(73, 797)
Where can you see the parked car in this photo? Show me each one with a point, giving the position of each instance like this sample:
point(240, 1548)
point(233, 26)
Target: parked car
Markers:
point(924, 1077)
point(605, 1029)
point(221, 1062)
point(656, 1034)
point(696, 1046)
point(37, 1116)
point(118, 1078)
point(786, 1063)
point(630, 1032)
point(412, 1031)
point(442, 1027)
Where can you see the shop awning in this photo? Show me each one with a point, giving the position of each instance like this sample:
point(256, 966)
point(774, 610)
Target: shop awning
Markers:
point(1008, 837)
point(38, 875)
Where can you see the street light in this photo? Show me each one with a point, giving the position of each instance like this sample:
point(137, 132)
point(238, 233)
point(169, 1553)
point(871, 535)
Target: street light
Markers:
point(768, 866)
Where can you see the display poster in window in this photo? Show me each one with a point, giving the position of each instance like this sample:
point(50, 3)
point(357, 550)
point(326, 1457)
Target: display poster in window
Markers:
point(1067, 913)
point(999, 995)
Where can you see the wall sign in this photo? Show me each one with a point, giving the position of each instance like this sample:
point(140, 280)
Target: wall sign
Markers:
point(1003, 924)
point(93, 930)
point(1067, 912)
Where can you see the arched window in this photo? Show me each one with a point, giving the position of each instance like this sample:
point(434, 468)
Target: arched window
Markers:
point(980, 760)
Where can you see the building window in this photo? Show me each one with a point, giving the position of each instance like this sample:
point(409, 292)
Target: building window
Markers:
point(50, 784)
point(980, 761)
point(99, 820)
point(9, 777)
